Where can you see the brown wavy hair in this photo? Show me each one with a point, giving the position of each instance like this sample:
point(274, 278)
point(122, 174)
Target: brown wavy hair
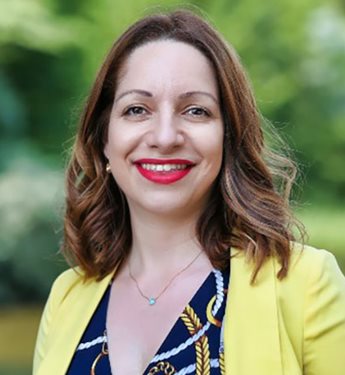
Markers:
point(249, 207)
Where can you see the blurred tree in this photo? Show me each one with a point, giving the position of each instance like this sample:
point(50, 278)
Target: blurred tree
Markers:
point(50, 51)
point(295, 53)
point(36, 82)
point(30, 197)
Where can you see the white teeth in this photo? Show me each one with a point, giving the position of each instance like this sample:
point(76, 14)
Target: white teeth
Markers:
point(164, 167)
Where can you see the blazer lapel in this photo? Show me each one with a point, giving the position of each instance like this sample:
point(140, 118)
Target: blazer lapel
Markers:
point(251, 331)
point(70, 324)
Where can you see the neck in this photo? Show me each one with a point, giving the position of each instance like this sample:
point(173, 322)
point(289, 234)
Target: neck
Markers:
point(162, 243)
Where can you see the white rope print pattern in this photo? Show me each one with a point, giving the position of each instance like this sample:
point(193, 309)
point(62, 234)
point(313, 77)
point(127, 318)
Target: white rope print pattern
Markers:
point(191, 368)
point(191, 340)
point(88, 344)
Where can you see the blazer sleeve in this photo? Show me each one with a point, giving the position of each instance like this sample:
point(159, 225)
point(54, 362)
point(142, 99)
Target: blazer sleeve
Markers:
point(324, 319)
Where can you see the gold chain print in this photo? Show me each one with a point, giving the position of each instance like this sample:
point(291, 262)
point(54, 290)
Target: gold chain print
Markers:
point(102, 354)
point(209, 315)
point(164, 367)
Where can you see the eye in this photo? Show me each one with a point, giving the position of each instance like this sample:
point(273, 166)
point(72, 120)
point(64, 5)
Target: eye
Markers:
point(197, 111)
point(135, 111)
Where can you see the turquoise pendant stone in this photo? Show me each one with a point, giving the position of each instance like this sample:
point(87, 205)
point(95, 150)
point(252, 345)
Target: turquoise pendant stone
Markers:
point(152, 301)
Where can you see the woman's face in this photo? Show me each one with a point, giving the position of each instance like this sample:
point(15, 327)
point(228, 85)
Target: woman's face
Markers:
point(165, 135)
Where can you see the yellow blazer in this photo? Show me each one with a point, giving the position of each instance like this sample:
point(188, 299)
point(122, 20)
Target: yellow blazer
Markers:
point(290, 327)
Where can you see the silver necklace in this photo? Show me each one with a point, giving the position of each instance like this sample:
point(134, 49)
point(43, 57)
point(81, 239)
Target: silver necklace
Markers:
point(152, 300)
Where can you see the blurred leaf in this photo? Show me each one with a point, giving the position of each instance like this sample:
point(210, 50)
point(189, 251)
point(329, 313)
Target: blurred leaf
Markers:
point(30, 200)
point(33, 24)
point(12, 109)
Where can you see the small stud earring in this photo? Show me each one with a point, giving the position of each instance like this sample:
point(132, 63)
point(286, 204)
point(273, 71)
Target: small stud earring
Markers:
point(108, 168)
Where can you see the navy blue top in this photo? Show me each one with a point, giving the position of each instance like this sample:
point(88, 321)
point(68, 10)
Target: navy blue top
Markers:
point(194, 344)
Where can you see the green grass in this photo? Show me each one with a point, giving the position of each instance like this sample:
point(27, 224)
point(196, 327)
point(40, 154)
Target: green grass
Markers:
point(14, 370)
point(18, 327)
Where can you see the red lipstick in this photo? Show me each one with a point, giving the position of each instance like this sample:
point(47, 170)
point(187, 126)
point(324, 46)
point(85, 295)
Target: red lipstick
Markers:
point(164, 171)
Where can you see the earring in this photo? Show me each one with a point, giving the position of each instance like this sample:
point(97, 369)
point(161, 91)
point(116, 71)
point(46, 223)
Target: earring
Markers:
point(108, 168)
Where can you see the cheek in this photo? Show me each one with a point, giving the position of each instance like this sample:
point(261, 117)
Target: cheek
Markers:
point(120, 142)
point(210, 144)
point(214, 154)
point(218, 142)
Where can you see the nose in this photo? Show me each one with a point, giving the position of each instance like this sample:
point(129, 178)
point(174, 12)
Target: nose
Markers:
point(165, 133)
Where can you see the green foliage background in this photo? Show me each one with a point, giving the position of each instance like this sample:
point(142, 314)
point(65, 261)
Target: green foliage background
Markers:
point(50, 50)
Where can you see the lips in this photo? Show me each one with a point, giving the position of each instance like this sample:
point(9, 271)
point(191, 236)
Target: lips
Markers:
point(164, 171)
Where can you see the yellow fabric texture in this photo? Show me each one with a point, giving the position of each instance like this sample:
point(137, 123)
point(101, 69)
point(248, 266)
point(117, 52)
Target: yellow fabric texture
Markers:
point(291, 327)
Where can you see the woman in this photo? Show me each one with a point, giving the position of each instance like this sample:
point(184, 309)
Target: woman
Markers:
point(184, 247)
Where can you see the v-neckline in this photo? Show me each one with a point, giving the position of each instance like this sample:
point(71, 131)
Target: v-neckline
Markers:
point(172, 328)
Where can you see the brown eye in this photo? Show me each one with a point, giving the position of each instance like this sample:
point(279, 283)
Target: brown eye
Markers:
point(135, 111)
point(197, 112)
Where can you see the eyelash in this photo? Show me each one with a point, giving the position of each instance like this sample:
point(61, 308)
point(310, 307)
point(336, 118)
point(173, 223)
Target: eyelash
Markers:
point(129, 111)
point(205, 112)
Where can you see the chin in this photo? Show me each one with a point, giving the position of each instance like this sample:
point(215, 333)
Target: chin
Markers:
point(164, 207)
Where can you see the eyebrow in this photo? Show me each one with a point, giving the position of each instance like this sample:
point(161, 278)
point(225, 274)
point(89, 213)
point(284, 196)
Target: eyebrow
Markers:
point(192, 93)
point(134, 91)
point(150, 95)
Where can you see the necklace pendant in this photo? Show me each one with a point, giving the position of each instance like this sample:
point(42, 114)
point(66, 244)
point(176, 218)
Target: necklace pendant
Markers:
point(152, 301)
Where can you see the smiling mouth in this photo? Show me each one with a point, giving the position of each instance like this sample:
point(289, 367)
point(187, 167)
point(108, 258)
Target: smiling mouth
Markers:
point(163, 171)
point(164, 167)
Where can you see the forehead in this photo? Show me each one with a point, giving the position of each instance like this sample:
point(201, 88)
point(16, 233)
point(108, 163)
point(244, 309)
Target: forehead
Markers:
point(167, 63)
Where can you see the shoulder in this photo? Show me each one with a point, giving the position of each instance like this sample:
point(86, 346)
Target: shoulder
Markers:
point(72, 286)
point(310, 265)
point(311, 271)
point(304, 255)
point(305, 262)
point(67, 281)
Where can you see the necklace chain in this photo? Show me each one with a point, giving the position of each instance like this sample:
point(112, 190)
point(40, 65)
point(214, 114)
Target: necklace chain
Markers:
point(153, 300)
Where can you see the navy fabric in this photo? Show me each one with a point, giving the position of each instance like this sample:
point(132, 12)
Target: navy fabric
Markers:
point(193, 345)
point(88, 349)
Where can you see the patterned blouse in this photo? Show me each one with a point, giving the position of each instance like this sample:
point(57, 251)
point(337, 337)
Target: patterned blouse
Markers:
point(194, 344)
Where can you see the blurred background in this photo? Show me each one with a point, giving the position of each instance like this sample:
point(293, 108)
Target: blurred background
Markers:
point(50, 50)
